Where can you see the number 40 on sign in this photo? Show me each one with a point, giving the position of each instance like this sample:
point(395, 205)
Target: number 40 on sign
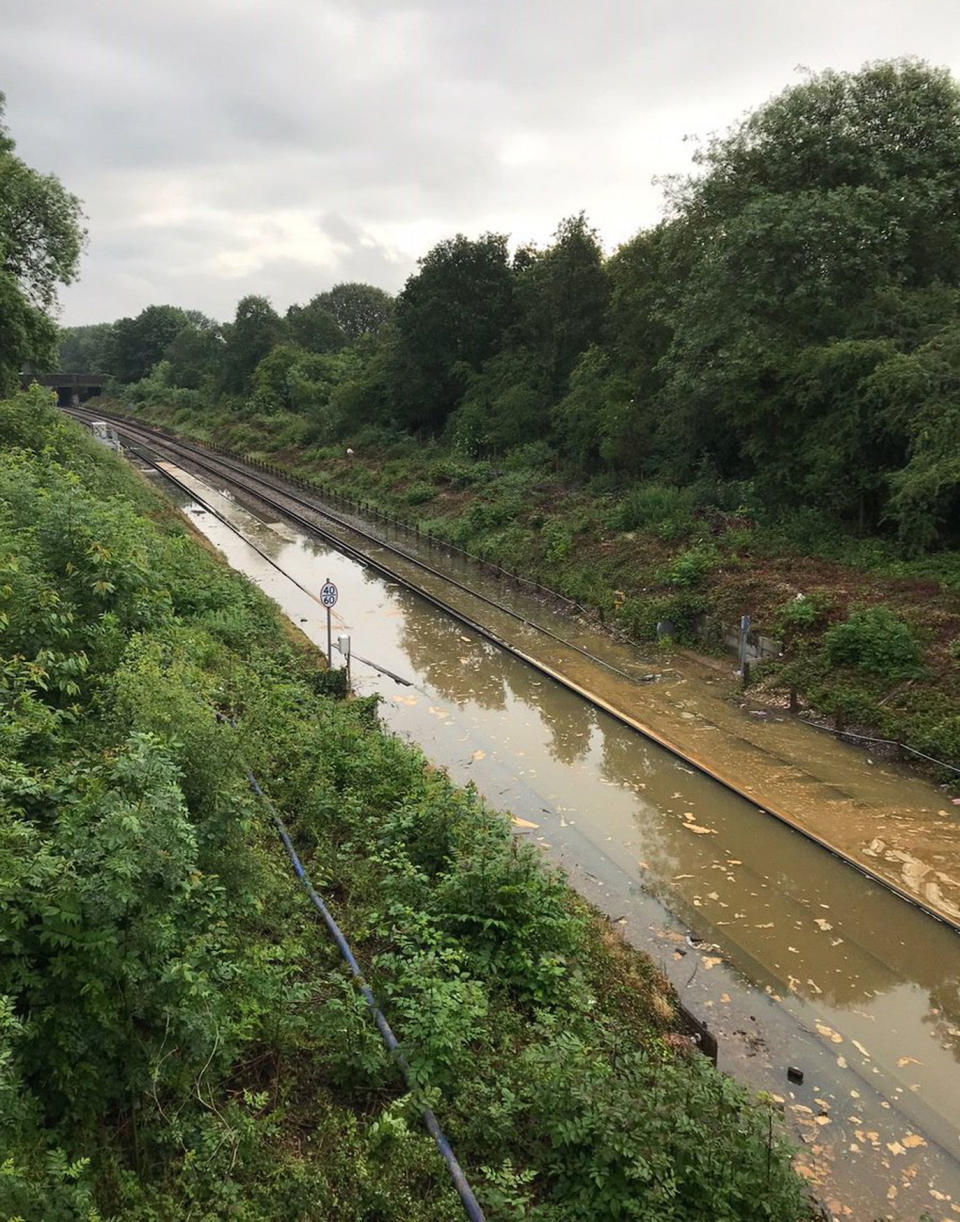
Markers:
point(328, 597)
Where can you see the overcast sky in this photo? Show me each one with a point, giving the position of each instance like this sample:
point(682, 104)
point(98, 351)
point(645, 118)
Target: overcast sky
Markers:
point(225, 147)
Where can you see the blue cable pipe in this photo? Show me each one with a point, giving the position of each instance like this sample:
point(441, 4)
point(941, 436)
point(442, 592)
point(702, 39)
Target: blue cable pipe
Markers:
point(470, 1203)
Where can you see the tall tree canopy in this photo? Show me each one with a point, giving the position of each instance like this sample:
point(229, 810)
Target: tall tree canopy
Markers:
point(358, 309)
point(40, 243)
point(137, 344)
point(314, 327)
point(450, 317)
point(822, 230)
point(85, 349)
point(787, 334)
point(195, 352)
point(254, 331)
point(562, 297)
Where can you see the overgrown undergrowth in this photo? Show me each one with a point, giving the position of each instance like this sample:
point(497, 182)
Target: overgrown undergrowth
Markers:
point(177, 1037)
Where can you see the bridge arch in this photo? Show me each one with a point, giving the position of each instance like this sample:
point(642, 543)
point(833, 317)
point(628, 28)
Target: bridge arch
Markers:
point(71, 388)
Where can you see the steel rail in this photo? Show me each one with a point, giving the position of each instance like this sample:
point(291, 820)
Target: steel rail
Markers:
point(277, 485)
point(701, 1034)
point(203, 458)
point(208, 508)
point(706, 769)
point(271, 483)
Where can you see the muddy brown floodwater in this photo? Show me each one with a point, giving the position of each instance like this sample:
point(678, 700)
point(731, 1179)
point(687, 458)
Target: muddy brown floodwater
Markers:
point(788, 954)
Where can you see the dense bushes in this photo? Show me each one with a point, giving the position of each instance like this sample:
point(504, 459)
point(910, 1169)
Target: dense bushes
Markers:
point(663, 508)
point(876, 641)
point(177, 1035)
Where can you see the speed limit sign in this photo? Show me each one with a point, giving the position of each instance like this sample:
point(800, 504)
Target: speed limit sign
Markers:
point(328, 598)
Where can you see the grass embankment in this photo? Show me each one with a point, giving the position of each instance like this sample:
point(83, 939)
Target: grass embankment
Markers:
point(178, 1038)
point(871, 638)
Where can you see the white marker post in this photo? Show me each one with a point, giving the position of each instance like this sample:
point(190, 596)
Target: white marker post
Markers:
point(328, 597)
point(343, 644)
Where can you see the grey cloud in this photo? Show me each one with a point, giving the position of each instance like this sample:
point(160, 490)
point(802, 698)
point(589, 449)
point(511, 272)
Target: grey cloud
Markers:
point(229, 146)
point(340, 230)
point(171, 258)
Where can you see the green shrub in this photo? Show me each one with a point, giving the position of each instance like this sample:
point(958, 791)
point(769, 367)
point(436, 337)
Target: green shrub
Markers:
point(801, 614)
point(664, 1163)
point(640, 616)
point(937, 732)
point(679, 526)
point(692, 567)
point(512, 543)
point(419, 493)
point(850, 703)
point(876, 641)
point(459, 472)
point(178, 1021)
point(806, 531)
point(651, 505)
point(583, 583)
point(534, 454)
point(330, 682)
point(557, 541)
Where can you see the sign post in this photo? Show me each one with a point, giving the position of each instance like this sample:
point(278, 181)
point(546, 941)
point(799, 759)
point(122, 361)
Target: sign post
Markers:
point(328, 597)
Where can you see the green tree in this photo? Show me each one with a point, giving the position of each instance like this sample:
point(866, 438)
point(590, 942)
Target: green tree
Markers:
point(137, 344)
point(324, 388)
point(358, 309)
point(85, 349)
point(916, 397)
point(254, 331)
point(598, 421)
point(450, 318)
point(506, 405)
point(195, 352)
point(642, 274)
point(40, 243)
point(830, 214)
point(562, 297)
point(272, 377)
point(314, 327)
point(365, 393)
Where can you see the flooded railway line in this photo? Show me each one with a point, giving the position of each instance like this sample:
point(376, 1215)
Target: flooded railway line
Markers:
point(552, 652)
point(792, 957)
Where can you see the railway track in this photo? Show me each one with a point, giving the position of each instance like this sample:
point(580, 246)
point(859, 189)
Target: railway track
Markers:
point(368, 549)
point(693, 1026)
point(373, 551)
point(291, 504)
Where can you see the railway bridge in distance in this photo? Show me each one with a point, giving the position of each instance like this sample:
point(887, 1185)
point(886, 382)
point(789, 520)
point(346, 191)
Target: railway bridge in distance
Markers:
point(72, 388)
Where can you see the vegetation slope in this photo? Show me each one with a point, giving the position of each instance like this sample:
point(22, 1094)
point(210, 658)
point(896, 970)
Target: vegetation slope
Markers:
point(178, 1038)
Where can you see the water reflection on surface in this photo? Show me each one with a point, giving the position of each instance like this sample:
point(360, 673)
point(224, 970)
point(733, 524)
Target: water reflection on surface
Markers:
point(874, 982)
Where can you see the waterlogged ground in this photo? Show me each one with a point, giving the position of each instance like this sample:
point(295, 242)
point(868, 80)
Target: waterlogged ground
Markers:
point(903, 829)
point(792, 957)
